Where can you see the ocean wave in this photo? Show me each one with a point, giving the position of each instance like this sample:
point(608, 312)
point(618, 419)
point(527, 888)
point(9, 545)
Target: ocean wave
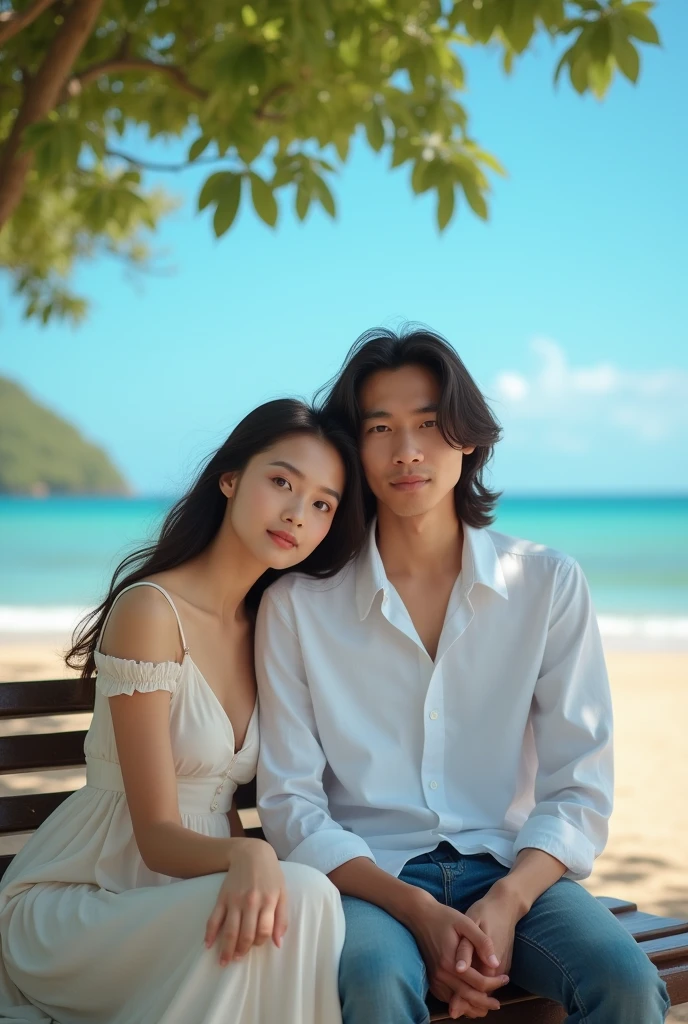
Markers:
point(36, 620)
point(619, 632)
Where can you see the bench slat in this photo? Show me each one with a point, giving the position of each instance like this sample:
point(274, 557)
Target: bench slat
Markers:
point(648, 926)
point(47, 697)
point(26, 812)
point(668, 949)
point(616, 906)
point(41, 750)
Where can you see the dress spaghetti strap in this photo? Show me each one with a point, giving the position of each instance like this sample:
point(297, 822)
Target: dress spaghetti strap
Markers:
point(145, 583)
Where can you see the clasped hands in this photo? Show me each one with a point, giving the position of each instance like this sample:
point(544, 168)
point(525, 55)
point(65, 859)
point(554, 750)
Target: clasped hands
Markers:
point(468, 955)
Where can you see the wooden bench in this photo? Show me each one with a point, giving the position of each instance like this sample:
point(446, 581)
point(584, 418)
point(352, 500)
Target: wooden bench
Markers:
point(665, 940)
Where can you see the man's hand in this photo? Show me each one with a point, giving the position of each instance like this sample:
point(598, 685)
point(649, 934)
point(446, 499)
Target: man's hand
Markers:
point(497, 915)
point(438, 931)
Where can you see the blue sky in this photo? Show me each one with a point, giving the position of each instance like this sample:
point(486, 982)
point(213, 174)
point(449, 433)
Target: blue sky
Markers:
point(568, 306)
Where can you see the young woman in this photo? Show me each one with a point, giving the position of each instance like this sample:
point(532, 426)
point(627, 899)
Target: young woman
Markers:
point(140, 901)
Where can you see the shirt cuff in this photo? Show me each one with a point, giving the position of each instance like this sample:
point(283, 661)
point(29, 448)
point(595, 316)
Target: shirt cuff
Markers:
point(560, 839)
point(329, 848)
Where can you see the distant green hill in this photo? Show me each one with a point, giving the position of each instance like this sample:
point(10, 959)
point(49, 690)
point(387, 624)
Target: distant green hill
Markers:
point(40, 453)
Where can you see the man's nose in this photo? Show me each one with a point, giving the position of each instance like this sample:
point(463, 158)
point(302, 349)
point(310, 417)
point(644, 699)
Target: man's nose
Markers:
point(407, 451)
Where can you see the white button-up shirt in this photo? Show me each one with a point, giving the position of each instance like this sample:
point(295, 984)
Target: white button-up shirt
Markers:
point(371, 749)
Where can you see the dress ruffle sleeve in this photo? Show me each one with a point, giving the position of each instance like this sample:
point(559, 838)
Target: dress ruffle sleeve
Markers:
point(119, 675)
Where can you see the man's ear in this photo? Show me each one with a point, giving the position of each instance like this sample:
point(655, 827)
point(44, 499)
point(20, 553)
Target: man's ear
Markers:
point(228, 484)
point(467, 449)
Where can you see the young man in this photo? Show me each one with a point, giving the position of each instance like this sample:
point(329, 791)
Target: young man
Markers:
point(436, 725)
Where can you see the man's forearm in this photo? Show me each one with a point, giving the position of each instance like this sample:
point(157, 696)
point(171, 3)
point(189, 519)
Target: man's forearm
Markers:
point(361, 878)
point(533, 872)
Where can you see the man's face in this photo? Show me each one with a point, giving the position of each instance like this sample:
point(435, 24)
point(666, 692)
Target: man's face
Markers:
point(409, 466)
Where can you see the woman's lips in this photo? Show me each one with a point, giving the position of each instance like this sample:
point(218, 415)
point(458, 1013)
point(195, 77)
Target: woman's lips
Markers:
point(283, 540)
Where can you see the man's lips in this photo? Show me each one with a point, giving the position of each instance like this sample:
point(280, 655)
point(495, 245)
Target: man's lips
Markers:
point(283, 539)
point(409, 483)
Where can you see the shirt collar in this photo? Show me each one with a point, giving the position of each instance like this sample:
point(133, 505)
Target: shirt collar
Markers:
point(480, 564)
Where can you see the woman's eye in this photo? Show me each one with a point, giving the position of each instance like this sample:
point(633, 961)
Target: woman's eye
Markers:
point(322, 506)
point(279, 480)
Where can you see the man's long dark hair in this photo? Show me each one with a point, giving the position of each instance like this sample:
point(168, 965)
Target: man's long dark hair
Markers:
point(463, 416)
point(193, 522)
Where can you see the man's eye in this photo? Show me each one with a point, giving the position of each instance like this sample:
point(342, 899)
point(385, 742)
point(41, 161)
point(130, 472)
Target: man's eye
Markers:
point(379, 428)
point(429, 423)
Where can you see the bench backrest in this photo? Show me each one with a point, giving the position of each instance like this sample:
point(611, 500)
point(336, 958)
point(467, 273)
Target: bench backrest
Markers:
point(37, 752)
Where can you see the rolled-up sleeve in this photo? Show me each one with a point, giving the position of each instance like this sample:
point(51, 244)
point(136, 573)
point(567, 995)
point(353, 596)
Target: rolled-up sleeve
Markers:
point(292, 802)
point(572, 726)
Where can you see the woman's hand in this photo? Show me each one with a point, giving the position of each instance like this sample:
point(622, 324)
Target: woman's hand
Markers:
point(252, 903)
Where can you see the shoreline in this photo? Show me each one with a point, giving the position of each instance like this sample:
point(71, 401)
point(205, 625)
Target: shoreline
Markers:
point(51, 626)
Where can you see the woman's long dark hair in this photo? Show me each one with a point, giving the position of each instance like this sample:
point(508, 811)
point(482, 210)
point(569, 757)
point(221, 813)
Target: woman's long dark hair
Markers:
point(463, 415)
point(194, 521)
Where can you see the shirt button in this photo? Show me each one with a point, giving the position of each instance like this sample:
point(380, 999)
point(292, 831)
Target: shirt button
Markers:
point(433, 784)
point(434, 715)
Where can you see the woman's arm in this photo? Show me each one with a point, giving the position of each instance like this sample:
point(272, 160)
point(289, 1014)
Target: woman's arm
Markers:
point(143, 628)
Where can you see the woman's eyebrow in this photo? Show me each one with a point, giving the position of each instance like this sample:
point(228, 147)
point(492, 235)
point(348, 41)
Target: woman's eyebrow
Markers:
point(302, 476)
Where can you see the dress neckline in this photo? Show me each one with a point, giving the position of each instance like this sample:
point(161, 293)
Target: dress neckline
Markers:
point(228, 720)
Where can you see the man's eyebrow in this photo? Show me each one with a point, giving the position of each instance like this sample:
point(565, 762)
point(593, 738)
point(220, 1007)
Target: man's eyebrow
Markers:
point(380, 414)
point(302, 476)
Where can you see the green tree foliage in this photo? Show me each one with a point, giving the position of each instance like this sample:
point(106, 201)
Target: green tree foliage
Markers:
point(269, 94)
point(41, 453)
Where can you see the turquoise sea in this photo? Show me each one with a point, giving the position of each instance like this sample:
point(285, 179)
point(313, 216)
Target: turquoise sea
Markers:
point(56, 555)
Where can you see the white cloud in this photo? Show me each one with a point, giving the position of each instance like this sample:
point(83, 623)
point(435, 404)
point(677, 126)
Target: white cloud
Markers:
point(571, 407)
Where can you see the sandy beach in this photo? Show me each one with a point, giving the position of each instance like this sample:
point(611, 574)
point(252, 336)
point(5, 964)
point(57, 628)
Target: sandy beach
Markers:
point(646, 858)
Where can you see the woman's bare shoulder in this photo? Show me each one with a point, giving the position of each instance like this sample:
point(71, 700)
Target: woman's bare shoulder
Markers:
point(143, 627)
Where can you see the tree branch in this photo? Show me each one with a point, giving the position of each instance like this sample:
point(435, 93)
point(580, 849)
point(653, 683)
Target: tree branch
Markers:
point(124, 64)
point(151, 165)
point(42, 94)
point(262, 113)
point(12, 22)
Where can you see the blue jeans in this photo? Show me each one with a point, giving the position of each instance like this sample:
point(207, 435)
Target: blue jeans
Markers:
point(568, 948)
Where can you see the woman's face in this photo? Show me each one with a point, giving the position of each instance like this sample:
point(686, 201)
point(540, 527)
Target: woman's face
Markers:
point(284, 501)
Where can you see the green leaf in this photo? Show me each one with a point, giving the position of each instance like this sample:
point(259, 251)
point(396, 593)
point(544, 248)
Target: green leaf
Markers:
point(250, 66)
point(212, 188)
point(551, 13)
point(520, 25)
point(445, 205)
point(325, 196)
point(197, 147)
point(303, 201)
point(227, 204)
point(600, 74)
point(564, 61)
point(579, 71)
point(626, 57)
point(341, 144)
point(420, 169)
point(639, 26)
point(600, 42)
point(476, 200)
point(264, 202)
point(249, 16)
point(375, 129)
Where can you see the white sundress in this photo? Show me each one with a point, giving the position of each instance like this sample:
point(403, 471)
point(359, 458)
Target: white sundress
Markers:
point(90, 935)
